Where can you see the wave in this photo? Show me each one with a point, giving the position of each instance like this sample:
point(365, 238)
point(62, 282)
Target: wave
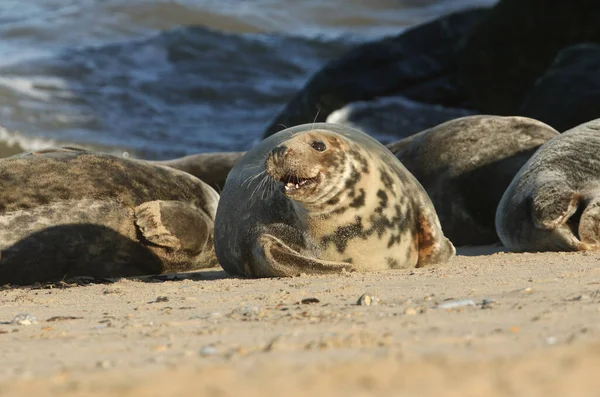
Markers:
point(186, 90)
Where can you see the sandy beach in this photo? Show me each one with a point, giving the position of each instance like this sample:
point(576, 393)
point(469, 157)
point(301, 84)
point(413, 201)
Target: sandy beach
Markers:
point(498, 324)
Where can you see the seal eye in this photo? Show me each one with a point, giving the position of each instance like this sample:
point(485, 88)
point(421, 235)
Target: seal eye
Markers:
point(318, 146)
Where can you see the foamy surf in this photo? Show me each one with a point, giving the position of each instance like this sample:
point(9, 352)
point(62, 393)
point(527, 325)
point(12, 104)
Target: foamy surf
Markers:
point(13, 142)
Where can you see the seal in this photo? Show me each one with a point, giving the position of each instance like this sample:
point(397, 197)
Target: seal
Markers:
point(553, 203)
point(69, 212)
point(210, 168)
point(466, 164)
point(324, 198)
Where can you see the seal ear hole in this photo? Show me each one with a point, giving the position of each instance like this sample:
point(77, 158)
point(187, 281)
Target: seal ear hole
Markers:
point(319, 146)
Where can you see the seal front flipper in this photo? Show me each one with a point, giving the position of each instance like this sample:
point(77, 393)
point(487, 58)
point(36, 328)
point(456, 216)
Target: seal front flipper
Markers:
point(174, 224)
point(275, 259)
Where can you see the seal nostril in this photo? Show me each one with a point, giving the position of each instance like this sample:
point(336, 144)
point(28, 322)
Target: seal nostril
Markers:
point(279, 151)
point(319, 146)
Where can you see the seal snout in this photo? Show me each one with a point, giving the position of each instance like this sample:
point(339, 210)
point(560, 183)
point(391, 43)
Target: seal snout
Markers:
point(293, 168)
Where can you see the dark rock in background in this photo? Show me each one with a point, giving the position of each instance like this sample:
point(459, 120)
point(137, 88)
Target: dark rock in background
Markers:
point(502, 57)
point(418, 64)
point(391, 118)
point(568, 93)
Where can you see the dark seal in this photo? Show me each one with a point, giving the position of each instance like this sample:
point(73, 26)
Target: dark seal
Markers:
point(323, 198)
point(466, 164)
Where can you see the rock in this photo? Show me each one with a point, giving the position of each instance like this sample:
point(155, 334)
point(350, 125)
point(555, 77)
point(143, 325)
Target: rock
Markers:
point(568, 93)
point(308, 301)
point(500, 59)
point(390, 118)
point(418, 64)
point(367, 300)
point(488, 303)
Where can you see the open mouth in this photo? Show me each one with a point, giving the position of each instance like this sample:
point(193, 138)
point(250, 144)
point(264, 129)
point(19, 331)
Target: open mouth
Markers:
point(293, 183)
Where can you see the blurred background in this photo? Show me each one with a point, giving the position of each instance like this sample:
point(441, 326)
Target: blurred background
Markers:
point(162, 79)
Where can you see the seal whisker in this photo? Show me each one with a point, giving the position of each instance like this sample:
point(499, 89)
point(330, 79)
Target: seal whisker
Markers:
point(258, 185)
point(252, 178)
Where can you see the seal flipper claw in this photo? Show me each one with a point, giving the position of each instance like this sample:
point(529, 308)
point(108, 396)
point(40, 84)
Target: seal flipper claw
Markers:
point(276, 259)
point(173, 224)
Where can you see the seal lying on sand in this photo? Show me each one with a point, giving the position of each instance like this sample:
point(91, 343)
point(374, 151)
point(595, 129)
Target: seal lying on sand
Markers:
point(70, 212)
point(210, 168)
point(322, 198)
point(466, 164)
point(553, 203)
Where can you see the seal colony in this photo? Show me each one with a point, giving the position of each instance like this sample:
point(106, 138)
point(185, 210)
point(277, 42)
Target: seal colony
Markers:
point(553, 203)
point(466, 164)
point(69, 212)
point(324, 198)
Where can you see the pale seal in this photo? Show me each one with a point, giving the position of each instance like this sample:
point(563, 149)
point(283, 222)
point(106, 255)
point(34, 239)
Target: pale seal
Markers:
point(323, 198)
point(69, 212)
point(553, 203)
point(466, 164)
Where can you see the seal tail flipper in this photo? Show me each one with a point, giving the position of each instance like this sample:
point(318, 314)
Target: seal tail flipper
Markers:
point(434, 247)
point(276, 259)
point(554, 210)
point(174, 224)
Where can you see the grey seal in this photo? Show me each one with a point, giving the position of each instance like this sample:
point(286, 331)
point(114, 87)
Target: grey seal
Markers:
point(210, 168)
point(553, 203)
point(324, 198)
point(466, 164)
point(69, 212)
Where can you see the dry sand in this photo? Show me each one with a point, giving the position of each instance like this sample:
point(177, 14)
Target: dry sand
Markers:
point(207, 334)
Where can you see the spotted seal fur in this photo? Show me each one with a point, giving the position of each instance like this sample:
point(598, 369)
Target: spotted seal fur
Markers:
point(70, 212)
point(323, 198)
point(553, 203)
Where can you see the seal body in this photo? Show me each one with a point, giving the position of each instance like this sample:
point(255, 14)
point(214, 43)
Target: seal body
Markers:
point(210, 168)
point(322, 198)
point(553, 203)
point(466, 164)
point(68, 212)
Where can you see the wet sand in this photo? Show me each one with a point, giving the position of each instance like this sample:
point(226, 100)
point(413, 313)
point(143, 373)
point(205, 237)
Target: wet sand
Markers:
point(528, 325)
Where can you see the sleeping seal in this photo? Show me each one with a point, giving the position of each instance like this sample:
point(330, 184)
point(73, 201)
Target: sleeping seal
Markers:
point(466, 164)
point(69, 212)
point(553, 203)
point(323, 198)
